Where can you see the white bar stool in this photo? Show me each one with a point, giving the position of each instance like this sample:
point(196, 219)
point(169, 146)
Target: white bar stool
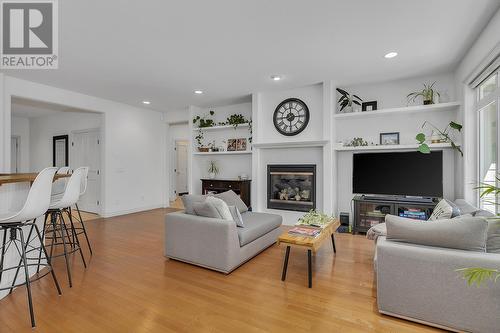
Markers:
point(60, 230)
point(36, 205)
point(81, 229)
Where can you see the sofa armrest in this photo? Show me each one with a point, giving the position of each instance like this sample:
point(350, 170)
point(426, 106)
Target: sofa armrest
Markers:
point(421, 282)
point(205, 241)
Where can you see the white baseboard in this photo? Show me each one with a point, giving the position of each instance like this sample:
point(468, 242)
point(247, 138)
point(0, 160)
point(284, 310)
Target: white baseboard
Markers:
point(133, 210)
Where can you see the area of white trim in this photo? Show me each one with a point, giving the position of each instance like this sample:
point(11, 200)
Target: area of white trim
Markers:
point(218, 128)
point(224, 152)
point(401, 110)
point(393, 147)
point(290, 144)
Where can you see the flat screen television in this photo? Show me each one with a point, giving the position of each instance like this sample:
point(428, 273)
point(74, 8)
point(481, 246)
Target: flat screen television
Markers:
point(402, 174)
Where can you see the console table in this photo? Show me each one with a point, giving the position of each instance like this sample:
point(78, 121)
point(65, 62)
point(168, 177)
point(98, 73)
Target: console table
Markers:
point(239, 186)
point(370, 211)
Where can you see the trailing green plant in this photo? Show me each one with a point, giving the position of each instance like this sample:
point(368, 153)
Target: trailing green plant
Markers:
point(236, 119)
point(445, 134)
point(427, 94)
point(315, 218)
point(357, 142)
point(347, 99)
point(204, 121)
point(250, 130)
point(477, 275)
point(213, 168)
point(199, 138)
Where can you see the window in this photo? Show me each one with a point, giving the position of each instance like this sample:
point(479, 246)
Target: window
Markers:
point(488, 96)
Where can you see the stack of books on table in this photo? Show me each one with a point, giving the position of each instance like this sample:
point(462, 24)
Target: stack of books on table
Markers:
point(305, 231)
point(415, 214)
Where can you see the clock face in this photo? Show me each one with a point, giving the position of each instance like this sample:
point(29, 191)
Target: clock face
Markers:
point(291, 116)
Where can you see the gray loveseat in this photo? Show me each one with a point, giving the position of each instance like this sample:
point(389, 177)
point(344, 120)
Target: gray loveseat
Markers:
point(420, 283)
point(219, 244)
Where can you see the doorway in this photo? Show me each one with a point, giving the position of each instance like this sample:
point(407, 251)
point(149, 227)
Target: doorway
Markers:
point(86, 151)
point(181, 165)
point(15, 153)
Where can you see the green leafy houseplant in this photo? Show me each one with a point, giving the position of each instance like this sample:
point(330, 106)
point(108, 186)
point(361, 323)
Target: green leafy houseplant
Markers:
point(478, 275)
point(236, 119)
point(445, 134)
point(213, 169)
point(204, 121)
point(199, 139)
point(427, 94)
point(315, 218)
point(347, 100)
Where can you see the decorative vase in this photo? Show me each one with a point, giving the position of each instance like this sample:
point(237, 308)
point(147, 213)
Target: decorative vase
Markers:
point(211, 175)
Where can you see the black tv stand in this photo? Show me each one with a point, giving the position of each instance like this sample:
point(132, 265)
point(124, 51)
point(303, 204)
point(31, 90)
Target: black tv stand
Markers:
point(399, 198)
point(371, 210)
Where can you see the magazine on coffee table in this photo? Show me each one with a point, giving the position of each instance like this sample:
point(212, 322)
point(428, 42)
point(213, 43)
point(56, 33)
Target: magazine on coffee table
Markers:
point(305, 231)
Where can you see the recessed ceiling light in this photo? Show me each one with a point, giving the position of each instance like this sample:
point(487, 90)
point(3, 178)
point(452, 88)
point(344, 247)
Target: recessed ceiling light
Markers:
point(391, 55)
point(146, 102)
point(275, 77)
point(198, 92)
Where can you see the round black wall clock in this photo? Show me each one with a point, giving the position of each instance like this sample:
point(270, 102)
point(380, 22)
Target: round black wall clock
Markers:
point(291, 116)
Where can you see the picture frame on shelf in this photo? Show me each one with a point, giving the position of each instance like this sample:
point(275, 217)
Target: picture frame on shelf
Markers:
point(369, 106)
point(231, 144)
point(241, 144)
point(387, 139)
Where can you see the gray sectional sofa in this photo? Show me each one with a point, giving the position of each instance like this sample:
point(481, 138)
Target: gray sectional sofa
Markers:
point(417, 278)
point(215, 243)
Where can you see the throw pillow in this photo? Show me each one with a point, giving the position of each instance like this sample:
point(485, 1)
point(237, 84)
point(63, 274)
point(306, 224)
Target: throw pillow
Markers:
point(493, 241)
point(236, 216)
point(189, 199)
point(232, 199)
point(221, 207)
point(206, 209)
point(445, 209)
point(468, 233)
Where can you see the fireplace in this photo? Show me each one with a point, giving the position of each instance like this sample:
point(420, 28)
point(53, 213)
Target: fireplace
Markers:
point(291, 187)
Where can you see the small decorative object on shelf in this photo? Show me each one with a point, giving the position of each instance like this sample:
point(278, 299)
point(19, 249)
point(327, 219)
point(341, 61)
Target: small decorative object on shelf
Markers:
point(389, 138)
point(356, 142)
point(213, 169)
point(428, 94)
point(204, 121)
point(445, 135)
point(231, 145)
point(347, 100)
point(237, 144)
point(369, 106)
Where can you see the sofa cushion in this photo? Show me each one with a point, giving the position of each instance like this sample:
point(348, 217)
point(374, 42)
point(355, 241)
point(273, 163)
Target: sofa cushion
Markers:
point(468, 233)
point(257, 225)
point(493, 241)
point(206, 209)
point(189, 199)
point(232, 199)
point(221, 207)
point(445, 209)
point(465, 207)
point(236, 216)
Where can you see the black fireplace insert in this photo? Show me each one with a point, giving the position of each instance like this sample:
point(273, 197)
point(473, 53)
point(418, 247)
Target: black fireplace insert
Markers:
point(291, 187)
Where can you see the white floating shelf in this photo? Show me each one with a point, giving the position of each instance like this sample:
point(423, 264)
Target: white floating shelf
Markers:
point(218, 128)
point(290, 144)
point(245, 152)
point(394, 147)
point(402, 110)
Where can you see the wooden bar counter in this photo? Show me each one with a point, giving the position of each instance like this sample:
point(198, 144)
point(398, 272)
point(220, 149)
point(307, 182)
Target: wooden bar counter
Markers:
point(9, 178)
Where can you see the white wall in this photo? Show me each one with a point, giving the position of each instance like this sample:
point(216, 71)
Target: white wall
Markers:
point(21, 128)
point(44, 128)
point(134, 159)
point(485, 47)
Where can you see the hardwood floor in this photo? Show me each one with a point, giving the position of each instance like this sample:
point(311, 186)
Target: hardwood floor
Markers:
point(130, 287)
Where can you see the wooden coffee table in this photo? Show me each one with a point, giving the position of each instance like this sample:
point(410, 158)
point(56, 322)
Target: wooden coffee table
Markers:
point(312, 244)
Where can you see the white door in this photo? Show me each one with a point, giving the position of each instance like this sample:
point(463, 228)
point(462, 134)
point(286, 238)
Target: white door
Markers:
point(86, 151)
point(181, 149)
point(14, 154)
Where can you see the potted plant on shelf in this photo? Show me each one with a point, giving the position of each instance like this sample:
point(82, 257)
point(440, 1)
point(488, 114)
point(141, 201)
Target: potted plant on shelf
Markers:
point(347, 100)
point(236, 119)
point(204, 121)
point(199, 142)
point(428, 94)
point(213, 169)
point(446, 136)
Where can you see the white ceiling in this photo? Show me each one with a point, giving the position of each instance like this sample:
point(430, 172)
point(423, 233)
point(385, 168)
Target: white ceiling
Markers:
point(162, 51)
point(27, 108)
